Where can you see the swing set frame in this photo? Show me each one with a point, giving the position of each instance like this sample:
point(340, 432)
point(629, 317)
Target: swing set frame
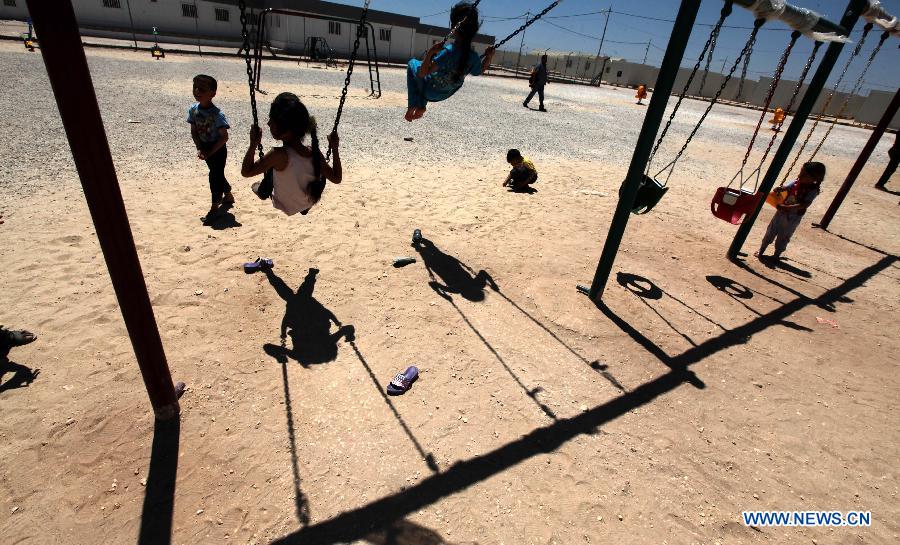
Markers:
point(681, 32)
point(371, 51)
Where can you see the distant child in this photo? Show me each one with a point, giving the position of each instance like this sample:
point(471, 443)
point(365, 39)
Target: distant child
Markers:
point(209, 129)
point(442, 71)
point(523, 173)
point(298, 171)
point(800, 194)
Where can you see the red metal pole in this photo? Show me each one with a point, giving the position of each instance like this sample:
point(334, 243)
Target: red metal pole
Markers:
point(67, 68)
point(861, 160)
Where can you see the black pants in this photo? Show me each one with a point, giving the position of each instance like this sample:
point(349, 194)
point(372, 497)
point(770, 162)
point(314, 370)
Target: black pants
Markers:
point(540, 93)
point(218, 185)
point(889, 171)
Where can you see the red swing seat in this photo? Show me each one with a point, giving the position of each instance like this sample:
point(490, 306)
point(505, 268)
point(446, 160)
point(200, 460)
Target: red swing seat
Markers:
point(733, 205)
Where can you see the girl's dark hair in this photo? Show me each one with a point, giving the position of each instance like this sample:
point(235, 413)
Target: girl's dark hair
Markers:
point(465, 34)
point(289, 114)
point(816, 170)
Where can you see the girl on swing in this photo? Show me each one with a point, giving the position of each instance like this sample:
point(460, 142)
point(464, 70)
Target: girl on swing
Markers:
point(442, 71)
point(298, 171)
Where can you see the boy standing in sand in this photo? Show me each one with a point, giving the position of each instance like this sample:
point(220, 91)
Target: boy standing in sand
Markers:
point(209, 129)
point(523, 171)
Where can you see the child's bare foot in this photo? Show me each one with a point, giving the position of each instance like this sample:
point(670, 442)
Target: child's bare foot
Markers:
point(229, 198)
point(419, 113)
point(410, 114)
point(757, 254)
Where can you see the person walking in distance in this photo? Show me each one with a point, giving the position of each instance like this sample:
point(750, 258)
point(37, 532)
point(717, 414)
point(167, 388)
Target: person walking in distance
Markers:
point(537, 81)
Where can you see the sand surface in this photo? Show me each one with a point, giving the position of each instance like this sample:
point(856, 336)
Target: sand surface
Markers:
point(538, 418)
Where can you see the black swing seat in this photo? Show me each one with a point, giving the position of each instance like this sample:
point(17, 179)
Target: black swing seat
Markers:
point(649, 193)
point(157, 52)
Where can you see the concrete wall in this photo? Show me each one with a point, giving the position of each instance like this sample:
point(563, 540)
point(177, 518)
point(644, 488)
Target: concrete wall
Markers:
point(17, 12)
point(873, 107)
point(621, 72)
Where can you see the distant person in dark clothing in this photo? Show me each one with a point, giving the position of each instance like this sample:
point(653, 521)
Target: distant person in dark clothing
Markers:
point(537, 81)
point(894, 154)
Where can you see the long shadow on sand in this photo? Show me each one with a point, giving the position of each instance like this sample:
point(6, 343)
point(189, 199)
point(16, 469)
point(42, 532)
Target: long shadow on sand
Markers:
point(159, 497)
point(381, 514)
point(21, 376)
point(461, 279)
point(457, 277)
point(307, 322)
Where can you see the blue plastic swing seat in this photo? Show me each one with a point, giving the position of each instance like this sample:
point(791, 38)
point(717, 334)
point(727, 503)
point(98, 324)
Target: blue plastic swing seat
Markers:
point(650, 191)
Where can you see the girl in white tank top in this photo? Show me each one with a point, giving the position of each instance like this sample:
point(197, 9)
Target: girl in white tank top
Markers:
point(295, 174)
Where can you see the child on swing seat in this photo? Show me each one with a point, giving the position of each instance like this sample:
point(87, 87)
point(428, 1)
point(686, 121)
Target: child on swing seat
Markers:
point(209, 130)
point(298, 171)
point(442, 71)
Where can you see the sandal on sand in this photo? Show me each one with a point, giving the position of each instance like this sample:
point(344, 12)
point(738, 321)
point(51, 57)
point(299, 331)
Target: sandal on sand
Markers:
point(261, 264)
point(403, 381)
point(17, 337)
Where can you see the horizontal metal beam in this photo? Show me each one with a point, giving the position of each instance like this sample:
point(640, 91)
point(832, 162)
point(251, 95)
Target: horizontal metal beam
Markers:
point(823, 25)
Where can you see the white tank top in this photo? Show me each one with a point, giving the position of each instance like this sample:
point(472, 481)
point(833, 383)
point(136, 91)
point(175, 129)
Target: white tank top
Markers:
point(290, 193)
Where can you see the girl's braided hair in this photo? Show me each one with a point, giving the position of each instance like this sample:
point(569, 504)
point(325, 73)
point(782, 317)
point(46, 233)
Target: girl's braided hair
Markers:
point(289, 114)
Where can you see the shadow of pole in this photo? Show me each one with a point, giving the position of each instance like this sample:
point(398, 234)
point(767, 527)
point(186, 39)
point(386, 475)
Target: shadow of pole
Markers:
point(428, 457)
point(357, 523)
point(159, 497)
point(300, 502)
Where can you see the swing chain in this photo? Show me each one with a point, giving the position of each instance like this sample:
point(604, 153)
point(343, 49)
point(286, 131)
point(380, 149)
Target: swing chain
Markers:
point(709, 57)
point(526, 24)
point(747, 48)
point(853, 91)
point(460, 23)
point(776, 79)
point(245, 33)
point(740, 91)
point(360, 28)
point(790, 105)
point(713, 36)
point(856, 50)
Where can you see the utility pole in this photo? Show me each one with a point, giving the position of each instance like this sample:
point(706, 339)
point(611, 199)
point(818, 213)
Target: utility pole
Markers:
point(647, 51)
point(521, 45)
point(600, 49)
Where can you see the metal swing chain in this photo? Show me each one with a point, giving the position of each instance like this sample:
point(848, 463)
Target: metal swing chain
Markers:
point(709, 57)
point(460, 23)
point(776, 79)
point(856, 51)
point(527, 24)
point(359, 29)
point(713, 36)
point(790, 104)
point(746, 49)
point(856, 87)
point(245, 33)
point(740, 91)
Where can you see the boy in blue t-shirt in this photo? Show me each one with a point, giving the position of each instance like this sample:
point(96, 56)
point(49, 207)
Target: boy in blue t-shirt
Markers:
point(209, 129)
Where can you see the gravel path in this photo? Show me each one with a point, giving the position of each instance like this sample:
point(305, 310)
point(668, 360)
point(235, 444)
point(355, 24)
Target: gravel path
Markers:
point(475, 126)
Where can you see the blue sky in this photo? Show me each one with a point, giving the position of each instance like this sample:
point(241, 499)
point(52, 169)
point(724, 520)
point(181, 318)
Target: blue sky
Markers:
point(582, 32)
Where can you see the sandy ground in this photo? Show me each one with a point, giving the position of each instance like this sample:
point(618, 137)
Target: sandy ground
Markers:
point(702, 388)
